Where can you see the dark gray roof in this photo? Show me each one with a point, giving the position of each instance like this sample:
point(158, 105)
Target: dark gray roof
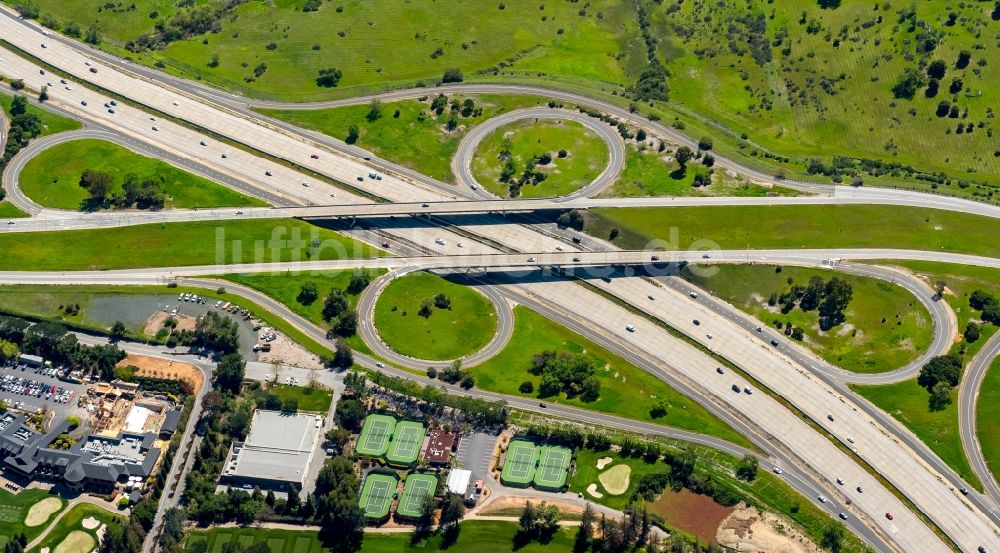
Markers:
point(170, 422)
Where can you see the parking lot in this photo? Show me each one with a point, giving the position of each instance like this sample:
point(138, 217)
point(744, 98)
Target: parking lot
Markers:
point(31, 389)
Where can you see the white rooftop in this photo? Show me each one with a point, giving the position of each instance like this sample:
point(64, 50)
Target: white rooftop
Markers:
point(280, 447)
point(458, 480)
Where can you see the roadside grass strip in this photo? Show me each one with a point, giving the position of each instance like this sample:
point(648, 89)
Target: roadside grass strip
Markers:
point(374, 439)
point(406, 442)
point(519, 467)
point(553, 467)
point(376, 495)
point(418, 487)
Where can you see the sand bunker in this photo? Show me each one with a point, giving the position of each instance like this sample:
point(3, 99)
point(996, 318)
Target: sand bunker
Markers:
point(615, 479)
point(40, 512)
point(76, 541)
point(603, 462)
point(592, 490)
point(90, 523)
point(747, 530)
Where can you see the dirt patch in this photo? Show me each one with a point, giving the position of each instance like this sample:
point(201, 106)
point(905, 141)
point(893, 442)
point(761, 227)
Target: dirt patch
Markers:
point(90, 523)
point(615, 480)
point(603, 462)
point(695, 514)
point(513, 505)
point(154, 367)
point(76, 541)
point(287, 352)
point(40, 512)
point(592, 490)
point(155, 322)
point(747, 530)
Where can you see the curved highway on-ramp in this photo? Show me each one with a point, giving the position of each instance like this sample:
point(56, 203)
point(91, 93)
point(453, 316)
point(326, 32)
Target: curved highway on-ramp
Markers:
point(461, 163)
point(968, 396)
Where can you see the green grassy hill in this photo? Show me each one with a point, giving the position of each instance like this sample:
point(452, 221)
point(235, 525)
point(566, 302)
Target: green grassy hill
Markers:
point(776, 84)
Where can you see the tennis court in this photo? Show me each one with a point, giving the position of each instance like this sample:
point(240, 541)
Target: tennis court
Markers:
point(519, 467)
point(418, 487)
point(376, 495)
point(553, 467)
point(374, 439)
point(407, 440)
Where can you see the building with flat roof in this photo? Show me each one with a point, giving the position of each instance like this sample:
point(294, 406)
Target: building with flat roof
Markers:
point(278, 451)
point(440, 445)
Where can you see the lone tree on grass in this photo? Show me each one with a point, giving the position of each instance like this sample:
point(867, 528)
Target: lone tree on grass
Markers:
point(683, 156)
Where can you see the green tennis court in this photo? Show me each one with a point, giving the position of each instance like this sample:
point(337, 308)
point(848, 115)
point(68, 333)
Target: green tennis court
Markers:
point(374, 439)
point(519, 467)
point(553, 467)
point(407, 440)
point(376, 495)
point(418, 487)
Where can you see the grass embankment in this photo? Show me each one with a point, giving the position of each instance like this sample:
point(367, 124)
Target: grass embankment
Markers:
point(374, 43)
point(474, 535)
point(46, 302)
point(285, 289)
point(626, 390)
point(586, 156)
point(176, 244)
point(13, 510)
point(649, 173)
point(50, 122)
point(821, 226)
point(70, 530)
point(313, 400)
point(885, 326)
point(52, 178)
point(459, 330)
point(10, 211)
point(418, 138)
point(907, 402)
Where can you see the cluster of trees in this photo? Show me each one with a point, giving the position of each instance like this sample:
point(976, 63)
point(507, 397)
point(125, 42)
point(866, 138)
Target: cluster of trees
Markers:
point(477, 412)
point(538, 524)
point(214, 332)
point(142, 192)
point(939, 376)
point(453, 373)
point(23, 127)
point(652, 82)
point(53, 341)
point(190, 20)
point(427, 306)
point(571, 219)
point(337, 310)
point(329, 77)
point(16, 544)
point(829, 298)
point(563, 372)
point(987, 304)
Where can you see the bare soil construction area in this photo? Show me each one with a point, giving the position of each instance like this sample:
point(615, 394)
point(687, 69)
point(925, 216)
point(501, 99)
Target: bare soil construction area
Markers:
point(154, 367)
point(745, 529)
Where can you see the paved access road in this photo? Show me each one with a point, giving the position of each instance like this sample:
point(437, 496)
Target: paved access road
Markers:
point(968, 396)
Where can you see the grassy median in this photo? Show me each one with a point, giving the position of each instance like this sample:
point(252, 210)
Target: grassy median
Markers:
point(885, 327)
point(626, 390)
point(176, 244)
point(819, 226)
point(52, 178)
